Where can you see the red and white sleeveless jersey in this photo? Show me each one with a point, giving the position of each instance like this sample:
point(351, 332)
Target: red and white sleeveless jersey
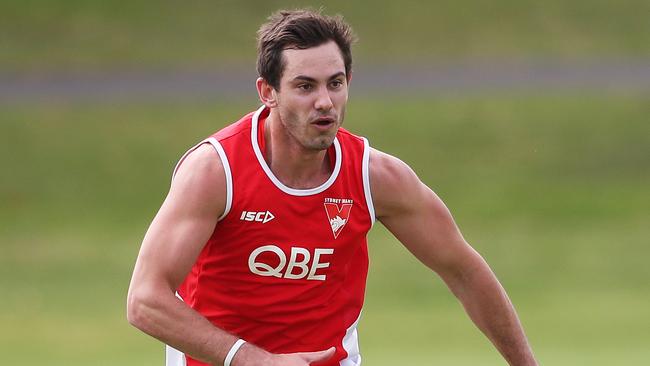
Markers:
point(285, 269)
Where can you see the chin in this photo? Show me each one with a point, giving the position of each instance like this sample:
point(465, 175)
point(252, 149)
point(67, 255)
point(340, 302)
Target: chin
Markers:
point(320, 144)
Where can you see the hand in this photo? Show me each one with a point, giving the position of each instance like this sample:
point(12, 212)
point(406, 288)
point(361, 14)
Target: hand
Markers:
point(302, 358)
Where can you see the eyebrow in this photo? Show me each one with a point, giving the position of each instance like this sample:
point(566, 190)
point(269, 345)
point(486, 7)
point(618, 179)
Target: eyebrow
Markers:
point(310, 79)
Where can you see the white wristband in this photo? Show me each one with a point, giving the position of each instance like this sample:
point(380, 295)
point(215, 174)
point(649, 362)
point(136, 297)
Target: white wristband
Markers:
point(233, 350)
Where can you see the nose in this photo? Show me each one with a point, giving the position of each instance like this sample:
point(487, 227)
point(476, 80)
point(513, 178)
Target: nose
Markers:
point(323, 100)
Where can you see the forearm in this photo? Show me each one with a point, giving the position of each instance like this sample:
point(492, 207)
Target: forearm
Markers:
point(168, 319)
point(489, 307)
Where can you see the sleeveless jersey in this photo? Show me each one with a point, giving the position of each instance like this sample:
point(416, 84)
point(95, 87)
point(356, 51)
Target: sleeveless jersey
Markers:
point(285, 269)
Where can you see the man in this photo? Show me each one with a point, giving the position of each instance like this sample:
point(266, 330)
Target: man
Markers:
point(258, 255)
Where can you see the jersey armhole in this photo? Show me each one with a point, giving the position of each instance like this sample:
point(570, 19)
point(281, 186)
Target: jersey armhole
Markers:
point(366, 180)
point(226, 167)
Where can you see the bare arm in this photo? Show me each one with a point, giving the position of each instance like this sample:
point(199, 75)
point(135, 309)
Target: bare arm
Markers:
point(423, 224)
point(174, 240)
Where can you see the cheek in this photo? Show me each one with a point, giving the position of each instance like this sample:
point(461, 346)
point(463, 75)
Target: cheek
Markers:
point(341, 98)
point(297, 103)
point(291, 117)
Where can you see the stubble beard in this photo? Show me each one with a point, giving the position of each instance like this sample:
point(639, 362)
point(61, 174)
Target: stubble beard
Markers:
point(298, 130)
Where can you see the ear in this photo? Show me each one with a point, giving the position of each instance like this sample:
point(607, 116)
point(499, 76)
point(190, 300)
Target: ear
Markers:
point(266, 93)
point(349, 77)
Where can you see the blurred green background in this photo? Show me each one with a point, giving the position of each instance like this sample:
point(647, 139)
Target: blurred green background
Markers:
point(551, 186)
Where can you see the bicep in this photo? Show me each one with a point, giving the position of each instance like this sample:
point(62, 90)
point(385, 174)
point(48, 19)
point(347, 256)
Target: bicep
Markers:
point(185, 221)
point(419, 219)
point(427, 230)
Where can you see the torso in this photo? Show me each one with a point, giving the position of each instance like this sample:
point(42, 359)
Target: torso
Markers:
point(285, 268)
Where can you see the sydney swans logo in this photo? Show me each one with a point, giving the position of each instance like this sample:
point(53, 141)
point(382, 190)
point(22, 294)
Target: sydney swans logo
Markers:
point(338, 212)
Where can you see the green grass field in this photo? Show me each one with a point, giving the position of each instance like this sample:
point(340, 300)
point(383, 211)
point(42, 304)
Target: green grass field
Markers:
point(76, 35)
point(552, 190)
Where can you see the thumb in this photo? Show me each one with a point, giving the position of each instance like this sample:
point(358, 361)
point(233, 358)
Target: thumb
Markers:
point(319, 356)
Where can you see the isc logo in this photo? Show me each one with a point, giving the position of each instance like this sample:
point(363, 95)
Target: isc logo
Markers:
point(300, 265)
point(263, 216)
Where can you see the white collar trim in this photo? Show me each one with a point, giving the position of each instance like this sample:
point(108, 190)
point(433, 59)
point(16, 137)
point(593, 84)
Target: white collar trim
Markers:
point(275, 180)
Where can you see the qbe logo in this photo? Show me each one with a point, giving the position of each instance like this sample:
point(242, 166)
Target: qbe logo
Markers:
point(301, 263)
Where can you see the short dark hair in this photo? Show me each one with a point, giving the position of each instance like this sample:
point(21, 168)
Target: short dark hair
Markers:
point(299, 29)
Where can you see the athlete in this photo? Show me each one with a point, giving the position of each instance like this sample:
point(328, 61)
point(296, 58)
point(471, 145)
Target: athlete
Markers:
point(258, 254)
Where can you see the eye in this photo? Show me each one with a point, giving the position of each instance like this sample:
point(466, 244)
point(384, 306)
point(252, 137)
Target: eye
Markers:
point(305, 87)
point(336, 83)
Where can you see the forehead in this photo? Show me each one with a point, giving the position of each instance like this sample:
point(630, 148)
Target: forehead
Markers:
point(317, 62)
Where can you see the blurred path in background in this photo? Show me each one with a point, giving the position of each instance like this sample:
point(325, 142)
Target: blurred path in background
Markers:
point(476, 77)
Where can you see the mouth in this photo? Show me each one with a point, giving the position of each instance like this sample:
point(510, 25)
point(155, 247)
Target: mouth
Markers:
point(324, 122)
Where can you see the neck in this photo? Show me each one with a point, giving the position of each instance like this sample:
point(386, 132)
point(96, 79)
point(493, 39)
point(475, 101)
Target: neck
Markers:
point(294, 165)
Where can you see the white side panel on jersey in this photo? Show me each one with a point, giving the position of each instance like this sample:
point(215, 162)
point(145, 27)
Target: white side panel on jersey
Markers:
point(275, 180)
point(226, 167)
point(351, 345)
point(366, 180)
point(174, 357)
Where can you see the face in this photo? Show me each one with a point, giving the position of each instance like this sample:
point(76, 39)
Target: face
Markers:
point(313, 94)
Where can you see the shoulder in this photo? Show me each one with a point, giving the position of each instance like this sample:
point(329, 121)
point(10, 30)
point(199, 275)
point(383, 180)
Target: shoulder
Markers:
point(405, 204)
point(203, 162)
point(394, 185)
point(387, 167)
point(200, 179)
